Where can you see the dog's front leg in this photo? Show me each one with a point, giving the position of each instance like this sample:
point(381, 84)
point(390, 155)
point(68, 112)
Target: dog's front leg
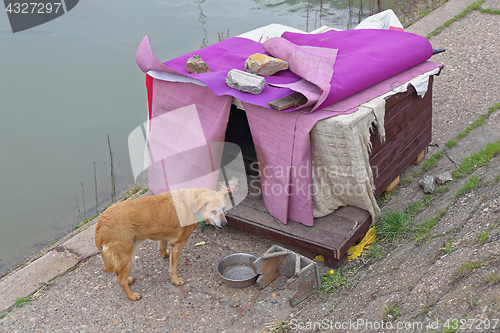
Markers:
point(175, 253)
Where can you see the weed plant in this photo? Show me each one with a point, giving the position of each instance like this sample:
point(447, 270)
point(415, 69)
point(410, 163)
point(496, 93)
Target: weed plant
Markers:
point(482, 237)
point(448, 246)
point(442, 188)
point(428, 305)
point(492, 278)
point(392, 312)
point(467, 267)
point(375, 251)
point(334, 281)
point(19, 302)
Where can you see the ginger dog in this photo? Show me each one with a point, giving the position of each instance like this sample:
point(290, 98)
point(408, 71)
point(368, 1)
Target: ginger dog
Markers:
point(170, 216)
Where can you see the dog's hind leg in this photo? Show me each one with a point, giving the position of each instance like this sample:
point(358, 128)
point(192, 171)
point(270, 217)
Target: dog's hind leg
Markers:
point(123, 271)
point(108, 266)
point(163, 247)
point(175, 253)
point(108, 262)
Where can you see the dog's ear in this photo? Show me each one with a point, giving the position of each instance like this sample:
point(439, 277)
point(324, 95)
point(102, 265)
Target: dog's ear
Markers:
point(226, 194)
point(231, 185)
point(199, 202)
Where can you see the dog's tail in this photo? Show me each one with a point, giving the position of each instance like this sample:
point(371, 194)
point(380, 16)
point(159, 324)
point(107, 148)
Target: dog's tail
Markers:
point(98, 238)
point(106, 254)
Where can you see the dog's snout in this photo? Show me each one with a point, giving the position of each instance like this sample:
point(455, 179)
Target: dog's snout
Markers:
point(224, 222)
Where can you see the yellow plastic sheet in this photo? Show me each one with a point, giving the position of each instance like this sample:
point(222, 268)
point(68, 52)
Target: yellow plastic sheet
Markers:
point(319, 257)
point(356, 250)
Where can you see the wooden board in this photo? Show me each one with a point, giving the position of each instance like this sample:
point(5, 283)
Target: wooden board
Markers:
point(295, 100)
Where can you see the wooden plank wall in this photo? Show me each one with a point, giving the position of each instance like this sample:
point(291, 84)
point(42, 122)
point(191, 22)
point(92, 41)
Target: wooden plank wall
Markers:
point(408, 128)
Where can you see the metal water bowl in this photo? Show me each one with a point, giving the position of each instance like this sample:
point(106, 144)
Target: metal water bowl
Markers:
point(236, 270)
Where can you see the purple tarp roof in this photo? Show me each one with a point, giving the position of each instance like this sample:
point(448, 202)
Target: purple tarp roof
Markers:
point(363, 58)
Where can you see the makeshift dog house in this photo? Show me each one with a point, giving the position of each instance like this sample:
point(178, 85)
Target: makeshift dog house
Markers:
point(319, 166)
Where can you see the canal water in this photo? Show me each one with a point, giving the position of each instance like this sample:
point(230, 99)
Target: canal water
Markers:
point(66, 85)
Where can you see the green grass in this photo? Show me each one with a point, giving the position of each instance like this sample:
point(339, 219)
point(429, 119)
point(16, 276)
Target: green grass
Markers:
point(432, 160)
point(451, 143)
point(392, 312)
point(497, 224)
point(5, 313)
point(428, 305)
point(490, 11)
point(282, 328)
point(21, 301)
point(418, 173)
point(375, 251)
point(408, 14)
point(417, 206)
point(134, 189)
point(472, 183)
point(442, 188)
point(450, 329)
point(393, 226)
point(334, 281)
point(86, 221)
point(477, 160)
point(426, 199)
point(492, 278)
point(478, 122)
point(131, 191)
point(384, 197)
point(448, 246)
point(468, 267)
point(424, 230)
point(482, 237)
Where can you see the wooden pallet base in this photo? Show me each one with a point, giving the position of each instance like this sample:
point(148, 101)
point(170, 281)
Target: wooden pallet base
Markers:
point(420, 157)
point(331, 235)
point(393, 185)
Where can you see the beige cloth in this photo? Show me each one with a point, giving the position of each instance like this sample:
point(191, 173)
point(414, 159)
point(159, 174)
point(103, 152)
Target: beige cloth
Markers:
point(341, 146)
point(341, 168)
